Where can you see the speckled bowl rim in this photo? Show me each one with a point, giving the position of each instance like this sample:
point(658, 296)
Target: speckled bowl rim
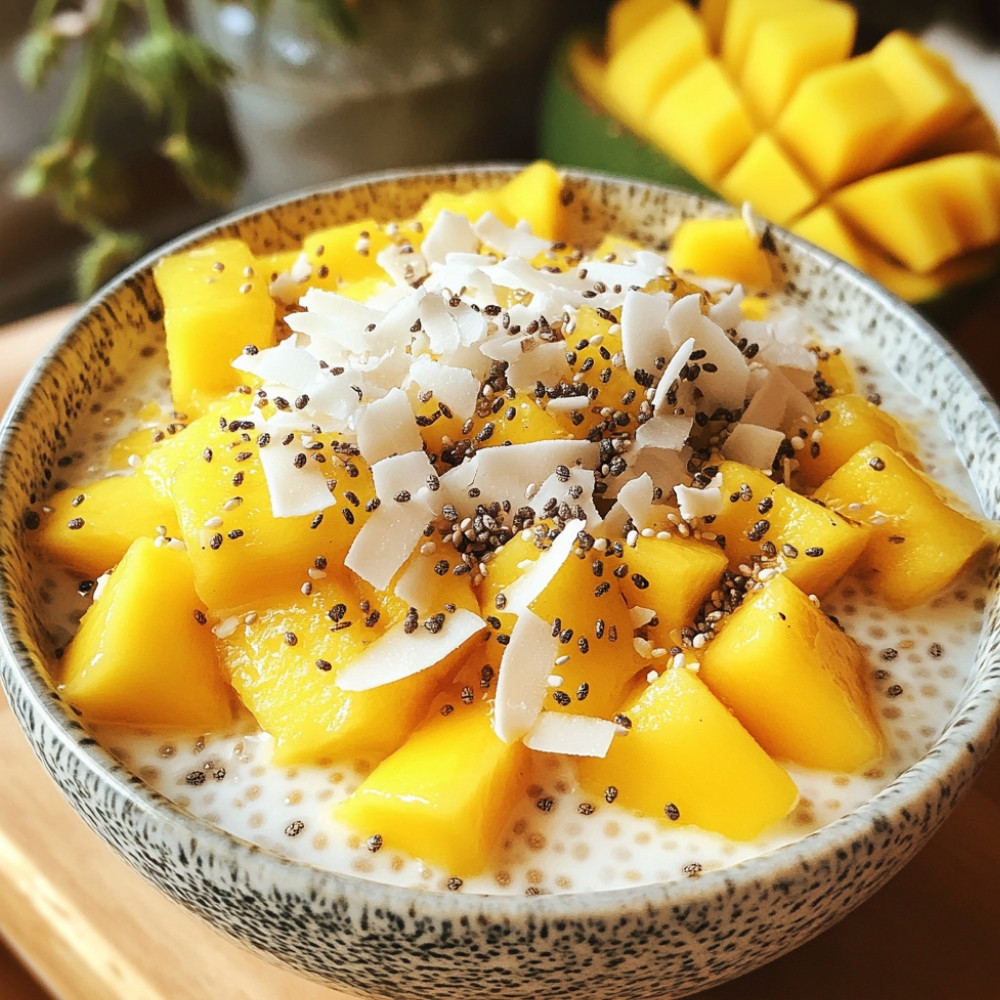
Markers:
point(973, 730)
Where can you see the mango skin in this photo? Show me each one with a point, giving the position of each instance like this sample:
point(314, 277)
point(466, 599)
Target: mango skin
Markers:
point(795, 680)
point(685, 749)
point(145, 654)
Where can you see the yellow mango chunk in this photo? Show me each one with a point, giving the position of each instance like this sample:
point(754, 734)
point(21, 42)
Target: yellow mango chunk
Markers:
point(919, 542)
point(224, 509)
point(836, 122)
point(284, 660)
point(655, 57)
point(770, 180)
point(89, 528)
point(742, 18)
point(344, 254)
point(588, 613)
point(846, 424)
point(444, 796)
point(626, 18)
point(786, 45)
point(795, 680)
point(145, 654)
point(686, 759)
point(721, 248)
point(702, 122)
point(932, 97)
point(833, 371)
point(673, 577)
point(929, 212)
point(764, 520)
point(825, 227)
point(533, 196)
point(214, 305)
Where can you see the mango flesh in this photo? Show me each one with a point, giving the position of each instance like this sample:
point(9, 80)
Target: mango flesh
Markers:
point(795, 680)
point(283, 659)
point(89, 528)
point(444, 795)
point(686, 759)
point(239, 549)
point(773, 110)
point(674, 576)
point(764, 520)
point(145, 654)
point(722, 248)
point(919, 543)
point(214, 305)
point(843, 425)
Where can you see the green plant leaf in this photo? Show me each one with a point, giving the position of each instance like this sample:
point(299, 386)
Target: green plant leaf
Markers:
point(209, 174)
point(106, 254)
point(38, 52)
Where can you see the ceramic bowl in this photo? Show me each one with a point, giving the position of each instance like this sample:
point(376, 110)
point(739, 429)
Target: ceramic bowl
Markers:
point(649, 941)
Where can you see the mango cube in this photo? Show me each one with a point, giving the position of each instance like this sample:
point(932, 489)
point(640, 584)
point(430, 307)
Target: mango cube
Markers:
point(932, 97)
point(655, 57)
point(238, 547)
point(722, 248)
point(770, 180)
point(625, 18)
point(846, 424)
point(445, 794)
point(836, 122)
point(785, 46)
point(919, 542)
point(214, 305)
point(702, 122)
point(672, 576)
point(795, 680)
point(532, 195)
point(686, 759)
point(145, 654)
point(284, 657)
point(347, 253)
point(764, 520)
point(89, 528)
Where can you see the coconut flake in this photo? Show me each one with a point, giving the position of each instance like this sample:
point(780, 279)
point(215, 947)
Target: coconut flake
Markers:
point(403, 264)
point(457, 388)
point(449, 233)
point(283, 365)
point(522, 680)
point(726, 386)
point(576, 490)
point(333, 323)
point(496, 234)
point(386, 427)
point(294, 492)
point(576, 735)
point(693, 502)
point(752, 445)
point(402, 474)
point(644, 334)
point(542, 571)
point(387, 539)
point(398, 653)
point(671, 372)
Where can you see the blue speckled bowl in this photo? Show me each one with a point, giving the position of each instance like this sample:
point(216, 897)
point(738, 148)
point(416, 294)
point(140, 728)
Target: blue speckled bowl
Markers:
point(666, 939)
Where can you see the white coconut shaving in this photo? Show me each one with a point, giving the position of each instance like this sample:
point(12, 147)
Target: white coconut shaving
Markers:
point(575, 735)
point(399, 653)
point(522, 681)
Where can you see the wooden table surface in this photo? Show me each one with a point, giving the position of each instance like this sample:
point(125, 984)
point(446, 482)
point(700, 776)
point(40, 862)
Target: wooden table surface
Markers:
point(88, 928)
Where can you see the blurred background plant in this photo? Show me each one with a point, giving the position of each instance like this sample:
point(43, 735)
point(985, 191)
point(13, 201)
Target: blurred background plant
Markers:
point(142, 50)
